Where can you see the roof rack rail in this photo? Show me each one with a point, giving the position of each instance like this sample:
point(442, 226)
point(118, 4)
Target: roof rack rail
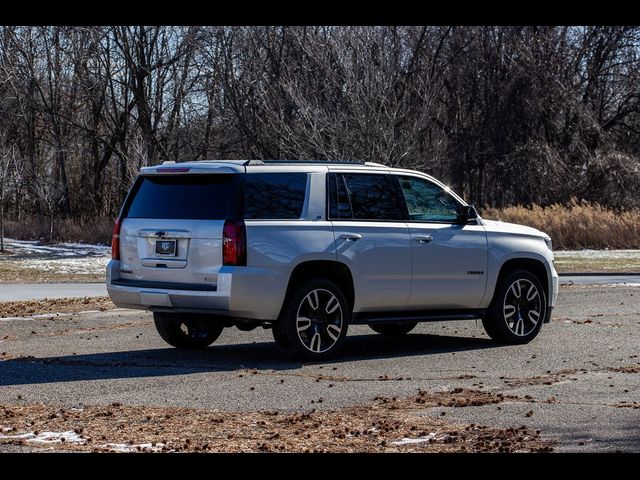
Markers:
point(303, 162)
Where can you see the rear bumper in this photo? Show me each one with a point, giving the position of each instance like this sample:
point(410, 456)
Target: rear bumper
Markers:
point(245, 292)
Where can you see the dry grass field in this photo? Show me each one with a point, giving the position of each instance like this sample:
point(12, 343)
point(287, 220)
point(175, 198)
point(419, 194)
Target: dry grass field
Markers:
point(574, 226)
point(577, 225)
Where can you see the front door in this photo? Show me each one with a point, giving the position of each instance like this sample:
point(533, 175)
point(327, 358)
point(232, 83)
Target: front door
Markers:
point(449, 259)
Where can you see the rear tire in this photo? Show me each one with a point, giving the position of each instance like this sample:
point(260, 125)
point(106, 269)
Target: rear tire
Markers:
point(181, 331)
point(518, 309)
point(314, 321)
point(282, 340)
point(393, 329)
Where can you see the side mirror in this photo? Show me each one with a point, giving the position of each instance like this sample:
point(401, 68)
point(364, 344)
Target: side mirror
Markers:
point(466, 213)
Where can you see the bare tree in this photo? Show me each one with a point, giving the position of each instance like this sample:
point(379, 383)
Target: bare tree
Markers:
point(8, 180)
point(504, 114)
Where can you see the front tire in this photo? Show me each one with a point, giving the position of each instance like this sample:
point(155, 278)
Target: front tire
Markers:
point(518, 309)
point(181, 331)
point(393, 329)
point(314, 321)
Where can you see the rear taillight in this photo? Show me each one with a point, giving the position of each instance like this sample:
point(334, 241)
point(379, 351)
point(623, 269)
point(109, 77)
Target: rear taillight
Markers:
point(115, 241)
point(234, 243)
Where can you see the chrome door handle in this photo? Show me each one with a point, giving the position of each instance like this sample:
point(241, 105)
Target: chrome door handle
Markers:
point(423, 238)
point(351, 236)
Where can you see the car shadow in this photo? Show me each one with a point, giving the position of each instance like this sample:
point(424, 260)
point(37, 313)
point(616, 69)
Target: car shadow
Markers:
point(218, 358)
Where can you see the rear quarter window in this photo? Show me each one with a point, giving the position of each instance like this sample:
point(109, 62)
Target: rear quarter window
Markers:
point(274, 196)
point(189, 197)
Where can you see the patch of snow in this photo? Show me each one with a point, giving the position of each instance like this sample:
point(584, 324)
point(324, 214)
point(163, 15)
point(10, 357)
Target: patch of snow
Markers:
point(623, 254)
point(86, 265)
point(22, 247)
point(89, 246)
point(47, 437)
point(413, 441)
point(40, 315)
point(17, 436)
point(127, 448)
point(11, 319)
point(66, 258)
point(19, 242)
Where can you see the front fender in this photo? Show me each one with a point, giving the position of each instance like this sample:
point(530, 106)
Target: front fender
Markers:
point(501, 251)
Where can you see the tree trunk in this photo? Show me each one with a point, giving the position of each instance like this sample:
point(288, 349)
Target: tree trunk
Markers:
point(63, 180)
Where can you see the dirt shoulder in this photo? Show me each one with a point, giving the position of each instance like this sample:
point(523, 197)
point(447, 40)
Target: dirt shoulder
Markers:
point(386, 425)
point(59, 305)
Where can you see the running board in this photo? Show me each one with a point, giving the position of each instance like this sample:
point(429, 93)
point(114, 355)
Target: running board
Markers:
point(417, 316)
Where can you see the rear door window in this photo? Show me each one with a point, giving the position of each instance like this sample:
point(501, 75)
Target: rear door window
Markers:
point(362, 196)
point(274, 196)
point(189, 197)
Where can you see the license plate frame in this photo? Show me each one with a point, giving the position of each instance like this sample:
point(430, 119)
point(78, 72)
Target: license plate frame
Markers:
point(166, 248)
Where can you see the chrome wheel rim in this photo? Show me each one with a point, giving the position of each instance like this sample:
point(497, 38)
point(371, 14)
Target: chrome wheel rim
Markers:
point(523, 307)
point(319, 320)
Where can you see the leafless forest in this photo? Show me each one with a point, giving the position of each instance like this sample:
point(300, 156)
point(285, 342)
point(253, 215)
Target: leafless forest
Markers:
point(505, 115)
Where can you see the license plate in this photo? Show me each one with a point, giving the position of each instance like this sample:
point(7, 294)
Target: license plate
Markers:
point(166, 247)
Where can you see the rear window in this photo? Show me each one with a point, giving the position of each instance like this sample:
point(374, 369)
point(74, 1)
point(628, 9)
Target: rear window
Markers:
point(274, 196)
point(189, 197)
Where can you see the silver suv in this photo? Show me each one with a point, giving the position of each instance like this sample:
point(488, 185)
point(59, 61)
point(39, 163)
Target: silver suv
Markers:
point(309, 248)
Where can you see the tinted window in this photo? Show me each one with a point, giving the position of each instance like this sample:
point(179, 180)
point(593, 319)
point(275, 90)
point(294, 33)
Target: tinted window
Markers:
point(274, 195)
point(428, 202)
point(191, 197)
point(374, 197)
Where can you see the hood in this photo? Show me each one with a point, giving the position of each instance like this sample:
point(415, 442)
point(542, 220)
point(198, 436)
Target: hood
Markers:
point(504, 227)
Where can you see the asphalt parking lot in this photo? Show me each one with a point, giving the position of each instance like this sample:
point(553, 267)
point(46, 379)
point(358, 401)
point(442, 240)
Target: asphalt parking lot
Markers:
point(578, 382)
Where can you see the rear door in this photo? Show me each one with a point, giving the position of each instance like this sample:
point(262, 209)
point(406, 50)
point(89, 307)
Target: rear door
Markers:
point(172, 227)
point(449, 260)
point(367, 212)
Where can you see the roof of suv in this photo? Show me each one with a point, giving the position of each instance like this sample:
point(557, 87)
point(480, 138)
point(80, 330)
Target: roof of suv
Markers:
point(233, 166)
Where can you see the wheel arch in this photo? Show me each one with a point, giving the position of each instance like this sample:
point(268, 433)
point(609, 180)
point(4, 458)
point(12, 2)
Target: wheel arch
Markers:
point(334, 271)
point(531, 264)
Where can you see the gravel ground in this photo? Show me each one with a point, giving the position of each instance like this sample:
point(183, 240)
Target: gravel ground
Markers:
point(444, 387)
point(30, 308)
